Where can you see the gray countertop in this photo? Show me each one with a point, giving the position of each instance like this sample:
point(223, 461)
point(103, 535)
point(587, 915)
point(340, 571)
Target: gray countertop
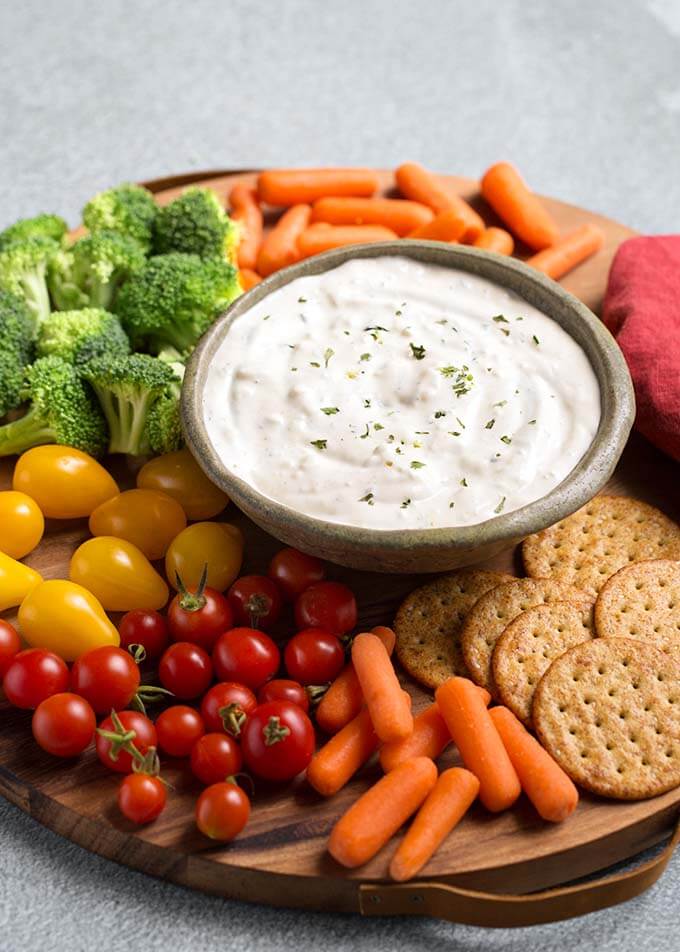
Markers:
point(584, 95)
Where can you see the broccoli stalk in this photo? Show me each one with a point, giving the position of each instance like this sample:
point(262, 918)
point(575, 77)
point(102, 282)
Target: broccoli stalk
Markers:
point(80, 336)
point(127, 209)
point(196, 223)
point(42, 226)
point(89, 273)
point(23, 268)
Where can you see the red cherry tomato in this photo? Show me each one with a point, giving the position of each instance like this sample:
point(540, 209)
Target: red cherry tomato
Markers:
point(141, 797)
point(328, 605)
point(185, 670)
point(277, 741)
point(222, 811)
point(63, 724)
point(145, 737)
point(247, 656)
point(107, 677)
point(294, 571)
point(34, 675)
point(178, 728)
point(10, 645)
point(226, 705)
point(147, 628)
point(314, 656)
point(199, 617)
point(214, 757)
point(281, 689)
point(255, 601)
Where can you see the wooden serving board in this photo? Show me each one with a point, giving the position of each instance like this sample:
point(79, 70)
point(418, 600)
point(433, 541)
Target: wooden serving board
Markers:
point(280, 858)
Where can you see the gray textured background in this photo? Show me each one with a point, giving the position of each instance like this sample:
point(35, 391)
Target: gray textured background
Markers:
point(583, 94)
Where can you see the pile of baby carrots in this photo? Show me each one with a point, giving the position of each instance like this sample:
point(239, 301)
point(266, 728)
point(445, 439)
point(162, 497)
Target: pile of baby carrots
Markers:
point(366, 709)
point(329, 208)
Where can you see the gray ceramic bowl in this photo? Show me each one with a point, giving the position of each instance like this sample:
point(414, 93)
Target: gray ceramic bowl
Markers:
point(429, 550)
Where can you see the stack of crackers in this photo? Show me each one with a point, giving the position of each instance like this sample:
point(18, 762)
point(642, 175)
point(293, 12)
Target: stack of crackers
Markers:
point(585, 651)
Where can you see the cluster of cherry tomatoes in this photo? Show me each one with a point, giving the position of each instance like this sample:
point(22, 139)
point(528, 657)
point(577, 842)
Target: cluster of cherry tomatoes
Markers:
point(213, 651)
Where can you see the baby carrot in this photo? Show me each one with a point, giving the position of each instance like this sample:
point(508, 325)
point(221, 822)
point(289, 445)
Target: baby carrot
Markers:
point(246, 210)
point(339, 759)
point(496, 239)
point(388, 705)
point(544, 782)
point(298, 186)
point(448, 225)
point(521, 210)
point(321, 237)
point(446, 804)
point(418, 184)
point(569, 251)
point(248, 278)
point(429, 738)
point(398, 214)
point(478, 743)
point(279, 248)
point(377, 815)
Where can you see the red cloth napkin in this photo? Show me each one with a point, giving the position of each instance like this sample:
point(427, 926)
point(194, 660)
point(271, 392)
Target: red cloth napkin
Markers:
point(642, 310)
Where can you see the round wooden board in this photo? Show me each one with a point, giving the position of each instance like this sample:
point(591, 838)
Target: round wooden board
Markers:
point(280, 858)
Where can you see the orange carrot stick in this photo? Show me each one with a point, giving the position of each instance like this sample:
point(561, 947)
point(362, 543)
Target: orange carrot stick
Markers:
point(304, 186)
point(419, 185)
point(340, 758)
point(478, 743)
point(429, 738)
point(569, 251)
point(521, 210)
point(322, 237)
point(448, 225)
point(446, 804)
point(248, 278)
point(280, 247)
point(246, 210)
point(377, 815)
point(544, 782)
point(398, 214)
point(385, 699)
point(344, 698)
point(496, 239)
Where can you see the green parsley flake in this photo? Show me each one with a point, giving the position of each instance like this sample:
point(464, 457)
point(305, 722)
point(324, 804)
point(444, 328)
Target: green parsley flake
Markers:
point(378, 426)
point(406, 503)
point(531, 423)
point(506, 440)
point(489, 424)
point(314, 363)
point(329, 411)
point(302, 300)
point(451, 505)
point(367, 403)
point(454, 433)
point(320, 444)
point(464, 481)
point(499, 507)
point(368, 498)
point(460, 423)
point(365, 357)
point(438, 414)
point(266, 317)
point(416, 464)
point(462, 378)
point(364, 435)
point(500, 319)
point(327, 354)
point(501, 403)
point(535, 339)
point(505, 331)
point(418, 351)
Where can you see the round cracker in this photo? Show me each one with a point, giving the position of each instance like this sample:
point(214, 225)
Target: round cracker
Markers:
point(586, 548)
point(642, 601)
point(493, 613)
point(429, 621)
point(608, 711)
point(530, 644)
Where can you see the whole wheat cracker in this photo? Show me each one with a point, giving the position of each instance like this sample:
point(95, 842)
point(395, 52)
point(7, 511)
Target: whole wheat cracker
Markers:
point(642, 601)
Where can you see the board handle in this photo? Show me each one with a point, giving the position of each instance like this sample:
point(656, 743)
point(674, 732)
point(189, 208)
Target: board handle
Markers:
point(494, 910)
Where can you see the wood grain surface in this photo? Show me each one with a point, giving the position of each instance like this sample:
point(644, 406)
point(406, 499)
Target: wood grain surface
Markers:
point(280, 857)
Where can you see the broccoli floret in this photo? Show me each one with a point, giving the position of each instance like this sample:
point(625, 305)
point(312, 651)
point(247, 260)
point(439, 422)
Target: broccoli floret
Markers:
point(17, 349)
point(89, 273)
point(195, 223)
point(126, 388)
point(62, 410)
point(23, 268)
point(42, 226)
point(81, 336)
point(128, 209)
point(164, 425)
point(174, 299)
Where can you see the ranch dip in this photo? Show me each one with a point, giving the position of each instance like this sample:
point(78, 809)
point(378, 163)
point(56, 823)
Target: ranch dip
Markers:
point(393, 394)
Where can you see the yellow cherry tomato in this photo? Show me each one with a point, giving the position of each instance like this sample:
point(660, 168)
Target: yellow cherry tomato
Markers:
point(217, 544)
point(65, 483)
point(16, 581)
point(118, 574)
point(65, 618)
point(179, 475)
point(21, 524)
point(148, 519)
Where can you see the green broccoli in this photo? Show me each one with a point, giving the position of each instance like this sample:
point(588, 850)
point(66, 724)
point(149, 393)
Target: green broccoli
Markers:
point(81, 336)
point(174, 299)
point(89, 273)
point(126, 388)
point(23, 269)
point(128, 209)
point(17, 351)
point(42, 226)
point(164, 425)
point(62, 410)
point(196, 223)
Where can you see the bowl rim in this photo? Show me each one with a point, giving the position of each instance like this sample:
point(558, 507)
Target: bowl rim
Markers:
point(587, 477)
